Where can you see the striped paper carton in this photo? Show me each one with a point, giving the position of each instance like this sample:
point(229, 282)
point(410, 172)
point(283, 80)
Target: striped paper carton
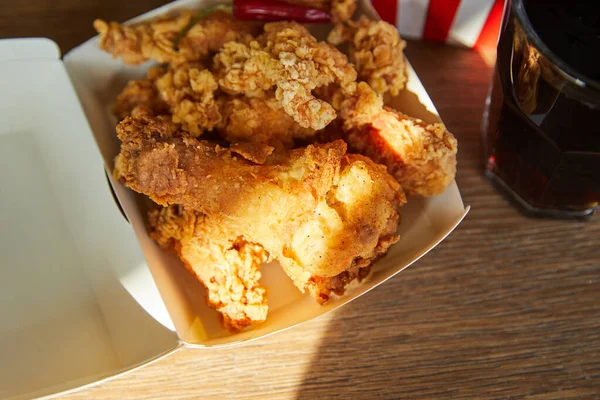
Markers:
point(470, 23)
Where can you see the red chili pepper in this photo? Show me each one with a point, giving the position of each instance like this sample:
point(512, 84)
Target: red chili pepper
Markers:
point(272, 10)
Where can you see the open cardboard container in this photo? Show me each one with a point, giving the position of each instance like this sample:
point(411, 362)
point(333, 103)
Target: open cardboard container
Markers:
point(86, 295)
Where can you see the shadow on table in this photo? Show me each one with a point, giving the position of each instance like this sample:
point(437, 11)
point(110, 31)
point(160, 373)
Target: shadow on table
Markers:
point(382, 345)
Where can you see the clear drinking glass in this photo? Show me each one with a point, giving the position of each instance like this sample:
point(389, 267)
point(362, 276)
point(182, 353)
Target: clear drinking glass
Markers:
point(542, 119)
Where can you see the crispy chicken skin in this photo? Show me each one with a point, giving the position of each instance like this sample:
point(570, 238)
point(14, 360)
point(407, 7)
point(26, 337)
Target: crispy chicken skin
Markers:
point(421, 156)
point(315, 209)
point(377, 52)
point(189, 90)
point(286, 56)
point(141, 92)
point(186, 92)
point(364, 195)
point(155, 40)
point(259, 120)
point(229, 267)
point(226, 264)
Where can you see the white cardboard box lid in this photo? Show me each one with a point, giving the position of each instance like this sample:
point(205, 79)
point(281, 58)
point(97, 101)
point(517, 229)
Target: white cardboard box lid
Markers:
point(72, 271)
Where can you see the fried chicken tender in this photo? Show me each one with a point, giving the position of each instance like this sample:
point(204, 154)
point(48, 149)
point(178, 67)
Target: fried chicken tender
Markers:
point(377, 51)
point(289, 57)
point(141, 92)
point(259, 120)
point(155, 40)
point(421, 156)
point(315, 209)
point(189, 91)
point(226, 264)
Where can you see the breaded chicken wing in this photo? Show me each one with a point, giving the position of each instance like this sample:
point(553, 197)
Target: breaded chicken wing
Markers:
point(315, 209)
point(288, 57)
point(155, 40)
point(226, 264)
point(377, 52)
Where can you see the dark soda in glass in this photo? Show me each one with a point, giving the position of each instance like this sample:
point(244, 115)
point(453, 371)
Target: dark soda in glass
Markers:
point(542, 118)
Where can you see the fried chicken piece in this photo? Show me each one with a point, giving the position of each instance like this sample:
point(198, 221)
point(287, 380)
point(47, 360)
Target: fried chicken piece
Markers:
point(189, 89)
point(377, 51)
point(314, 209)
point(245, 69)
point(360, 189)
point(155, 40)
point(259, 120)
point(289, 57)
point(340, 10)
point(229, 267)
point(185, 91)
point(141, 92)
point(226, 264)
point(308, 64)
point(421, 156)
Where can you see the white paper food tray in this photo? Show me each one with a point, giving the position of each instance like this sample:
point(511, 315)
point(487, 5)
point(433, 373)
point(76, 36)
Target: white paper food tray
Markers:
point(85, 295)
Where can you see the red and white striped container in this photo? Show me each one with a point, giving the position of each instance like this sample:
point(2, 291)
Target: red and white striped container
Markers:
point(470, 23)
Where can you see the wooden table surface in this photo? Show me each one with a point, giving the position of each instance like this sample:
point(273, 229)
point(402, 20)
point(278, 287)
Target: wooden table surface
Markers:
point(506, 307)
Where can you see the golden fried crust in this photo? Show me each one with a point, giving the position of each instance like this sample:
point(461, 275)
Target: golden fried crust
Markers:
point(189, 90)
point(141, 92)
point(377, 51)
point(422, 157)
point(286, 56)
point(318, 209)
point(308, 64)
point(226, 264)
point(155, 40)
point(186, 92)
point(259, 120)
point(258, 153)
point(245, 69)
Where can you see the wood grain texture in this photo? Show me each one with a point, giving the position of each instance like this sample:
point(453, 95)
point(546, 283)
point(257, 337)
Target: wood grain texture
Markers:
point(506, 308)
